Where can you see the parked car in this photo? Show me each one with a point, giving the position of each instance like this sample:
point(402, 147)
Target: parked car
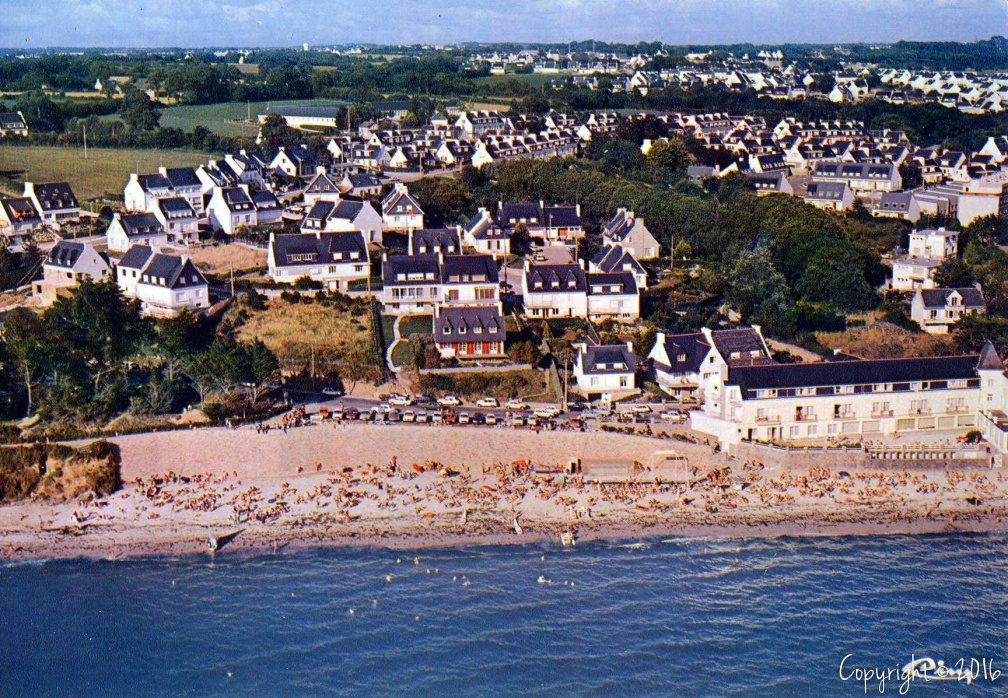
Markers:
point(478, 418)
point(351, 413)
point(518, 421)
point(516, 404)
point(640, 409)
point(422, 417)
point(400, 400)
point(435, 418)
point(491, 419)
point(487, 402)
point(332, 392)
point(449, 401)
point(546, 412)
point(409, 416)
point(463, 418)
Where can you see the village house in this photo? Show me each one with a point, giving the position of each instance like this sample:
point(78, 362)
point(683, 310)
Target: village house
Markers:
point(142, 191)
point(469, 332)
point(830, 196)
point(128, 229)
point(434, 240)
point(614, 258)
point(859, 176)
point(178, 219)
point(605, 371)
point(294, 161)
point(165, 284)
point(344, 215)
point(230, 208)
point(486, 236)
point(937, 309)
point(320, 188)
point(66, 264)
point(54, 201)
point(770, 183)
point(333, 259)
point(18, 220)
point(400, 210)
point(902, 205)
point(12, 124)
point(554, 290)
point(682, 362)
point(928, 249)
point(361, 185)
point(411, 283)
point(629, 231)
point(612, 296)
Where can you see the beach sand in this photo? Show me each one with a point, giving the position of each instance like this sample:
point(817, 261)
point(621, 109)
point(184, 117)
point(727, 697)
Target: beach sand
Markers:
point(421, 486)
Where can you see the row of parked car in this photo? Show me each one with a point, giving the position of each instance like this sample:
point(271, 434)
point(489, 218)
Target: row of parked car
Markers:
point(489, 402)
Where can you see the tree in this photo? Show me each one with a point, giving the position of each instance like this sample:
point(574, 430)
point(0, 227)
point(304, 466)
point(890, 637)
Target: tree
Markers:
point(911, 174)
point(138, 111)
point(760, 292)
point(275, 132)
point(261, 366)
point(953, 273)
point(671, 155)
point(520, 239)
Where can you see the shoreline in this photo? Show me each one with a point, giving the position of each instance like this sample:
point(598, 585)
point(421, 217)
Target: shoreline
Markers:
point(370, 487)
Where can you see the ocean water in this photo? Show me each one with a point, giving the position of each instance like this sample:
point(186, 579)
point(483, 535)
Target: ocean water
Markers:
point(743, 617)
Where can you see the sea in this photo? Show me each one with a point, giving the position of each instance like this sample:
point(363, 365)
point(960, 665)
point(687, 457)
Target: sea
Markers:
point(790, 616)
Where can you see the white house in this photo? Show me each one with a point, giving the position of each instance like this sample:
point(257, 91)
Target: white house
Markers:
point(612, 296)
point(164, 284)
point(230, 208)
point(937, 309)
point(434, 240)
point(928, 249)
point(902, 205)
point(554, 290)
point(54, 201)
point(178, 219)
point(683, 363)
point(128, 229)
point(18, 219)
point(486, 236)
point(469, 332)
point(628, 230)
point(400, 210)
point(294, 161)
point(321, 188)
point(614, 258)
point(334, 259)
point(605, 371)
point(830, 196)
point(344, 215)
point(66, 264)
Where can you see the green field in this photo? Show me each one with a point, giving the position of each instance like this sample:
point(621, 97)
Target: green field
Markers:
point(224, 119)
point(106, 170)
point(535, 79)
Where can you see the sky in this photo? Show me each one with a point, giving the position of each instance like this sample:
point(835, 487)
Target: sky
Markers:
point(262, 23)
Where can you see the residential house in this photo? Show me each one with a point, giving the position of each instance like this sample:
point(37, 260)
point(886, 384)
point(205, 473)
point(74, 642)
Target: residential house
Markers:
point(269, 210)
point(143, 190)
point(54, 201)
point(937, 309)
point(411, 283)
point(614, 258)
point(831, 196)
point(770, 183)
point(165, 284)
point(902, 205)
point(486, 236)
point(346, 214)
point(12, 124)
point(128, 229)
point(683, 363)
point(334, 259)
point(230, 208)
point(66, 264)
point(469, 332)
point(554, 290)
point(178, 219)
point(434, 240)
point(294, 161)
point(18, 219)
point(859, 176)
point(185, 183)
point(321, 188)
point(605, 371)
point(562, 223)
point(928, 249)
point(472, 279)
point(360, 185)
point(629, 231)
point(400, 210)
point(612, 296)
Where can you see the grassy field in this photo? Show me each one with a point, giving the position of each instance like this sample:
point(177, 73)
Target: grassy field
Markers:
point(415, 324)
point(292, 330)
point(535, 79)
point(106, 170)
point(223, 118)
point(220, 259)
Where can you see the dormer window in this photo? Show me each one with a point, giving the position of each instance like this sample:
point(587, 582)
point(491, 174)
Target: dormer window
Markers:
point(681, 358)
point(462, 330)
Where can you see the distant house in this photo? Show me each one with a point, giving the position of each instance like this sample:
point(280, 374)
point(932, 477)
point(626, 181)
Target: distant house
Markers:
point(54, 201)
point(469, 332)
point(928, 249)
point(185, 183)
point(411, 283)
point(902, 205)
point(66, 264)
point(486, 236)
point(360, 185)
point(129, 229)
point(269, 210)
point(434, 240)
point(321, 188)
point(605, 371)
point(400, 210)
point(12, 124)
point(178, 219)
point(509, 215)
point(334, 259)
point(770, 183)
point(629, 231)
point(831, 196)
point(165, 284)
point(562, 223)
point(859, 176)
point(676, 360)
point(554, 290)
point(937, 309)
point(344, 215)
point(143, 190)
point(612, 296)
point(230, 208)
point(18, 219)
point(614, 258)
point(294, 161)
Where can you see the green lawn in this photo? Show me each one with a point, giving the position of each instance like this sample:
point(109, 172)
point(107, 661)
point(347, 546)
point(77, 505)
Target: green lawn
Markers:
point(402, 353)
point(415, 324)
point(223, 119)
point(106, 170)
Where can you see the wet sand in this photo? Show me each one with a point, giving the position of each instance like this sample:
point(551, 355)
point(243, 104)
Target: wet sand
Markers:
point(417, 486)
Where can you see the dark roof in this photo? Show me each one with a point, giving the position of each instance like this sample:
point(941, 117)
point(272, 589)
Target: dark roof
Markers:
point(611, 258)
point(830, 373)
point(136, 257)
point(825, 190)
point(421, 267)
point(435, 239)
point(562, 216)
point(469, 268)
point(55, 195)
point(569, 278)
point(11, 120)
point(176, 271)
point(691, 348)
point(177, 206)
point(65, 253)
point(183, 177)
point(155, 180)
point(532, 213)
point(19, 209)
point(485, 228)
point(363, 181)
point(320, 210)
point(607, 358)
point(265, 200)
point(468, 324)
point(140, 224)
point(744, 341)
point(347, 210)
point(610, 283)
point(236, 199)
point(938, 297)
point(324, 247)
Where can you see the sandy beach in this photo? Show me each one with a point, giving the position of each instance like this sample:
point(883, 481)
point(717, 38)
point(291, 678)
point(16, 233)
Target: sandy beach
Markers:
point(420, 486)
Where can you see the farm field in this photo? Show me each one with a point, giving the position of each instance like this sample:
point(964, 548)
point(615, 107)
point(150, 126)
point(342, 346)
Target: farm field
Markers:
point(106, 170)
point(223, 119)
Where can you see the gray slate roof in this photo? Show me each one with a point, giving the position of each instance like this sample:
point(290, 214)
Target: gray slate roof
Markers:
point(468, 324)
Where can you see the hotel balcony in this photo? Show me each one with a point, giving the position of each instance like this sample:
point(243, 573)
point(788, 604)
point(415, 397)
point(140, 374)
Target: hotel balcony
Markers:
point(881, 413)
point(768, 419)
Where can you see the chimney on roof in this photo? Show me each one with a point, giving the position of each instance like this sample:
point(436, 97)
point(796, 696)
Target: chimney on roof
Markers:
point(133, 177)
point(318, 234)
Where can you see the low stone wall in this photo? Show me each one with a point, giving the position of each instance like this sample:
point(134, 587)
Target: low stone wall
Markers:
point(857, 458)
